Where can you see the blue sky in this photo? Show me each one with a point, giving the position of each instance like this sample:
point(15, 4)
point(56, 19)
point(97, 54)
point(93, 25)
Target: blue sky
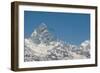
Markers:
point(73, 28)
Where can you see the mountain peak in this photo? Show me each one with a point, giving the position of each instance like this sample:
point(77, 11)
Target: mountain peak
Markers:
point(42, 35)
point(39, 29)
point(42, 25)
point(85, 43)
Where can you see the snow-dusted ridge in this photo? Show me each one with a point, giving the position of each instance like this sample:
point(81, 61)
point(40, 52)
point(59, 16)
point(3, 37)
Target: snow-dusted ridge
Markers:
point(42, 46)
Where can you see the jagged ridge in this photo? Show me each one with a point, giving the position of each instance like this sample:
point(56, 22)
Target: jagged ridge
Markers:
point(42, 46)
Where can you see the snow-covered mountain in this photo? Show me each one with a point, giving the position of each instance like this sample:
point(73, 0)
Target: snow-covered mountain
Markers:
point(43, 46)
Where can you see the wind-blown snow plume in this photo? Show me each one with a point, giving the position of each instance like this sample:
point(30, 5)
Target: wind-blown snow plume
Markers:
point(42, 46)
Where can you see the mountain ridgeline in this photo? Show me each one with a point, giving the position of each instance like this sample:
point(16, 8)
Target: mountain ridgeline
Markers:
point(43, 46)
